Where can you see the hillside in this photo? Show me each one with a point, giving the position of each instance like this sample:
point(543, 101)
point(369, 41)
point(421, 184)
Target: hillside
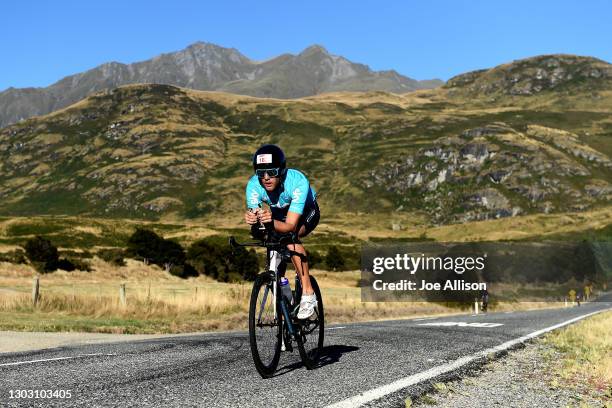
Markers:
point(436, 156)
point(530, 76)
point(205, 66)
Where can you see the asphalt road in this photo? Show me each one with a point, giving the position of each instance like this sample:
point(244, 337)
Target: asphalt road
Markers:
point(216, 370)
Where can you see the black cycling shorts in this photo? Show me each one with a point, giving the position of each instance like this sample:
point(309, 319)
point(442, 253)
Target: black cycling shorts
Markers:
point(309, 219)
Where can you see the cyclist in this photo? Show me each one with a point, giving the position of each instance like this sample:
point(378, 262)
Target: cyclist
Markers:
point(293, 207)
point(484, 297)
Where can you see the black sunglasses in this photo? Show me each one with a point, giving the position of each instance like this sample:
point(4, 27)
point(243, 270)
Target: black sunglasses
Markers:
point(261, 173)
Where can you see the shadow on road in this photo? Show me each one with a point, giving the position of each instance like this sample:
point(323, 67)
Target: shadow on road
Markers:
point(332, 354)
point(329, 355)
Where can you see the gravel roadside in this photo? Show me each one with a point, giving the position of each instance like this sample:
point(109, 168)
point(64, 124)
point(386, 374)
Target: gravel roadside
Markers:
point(524, 378)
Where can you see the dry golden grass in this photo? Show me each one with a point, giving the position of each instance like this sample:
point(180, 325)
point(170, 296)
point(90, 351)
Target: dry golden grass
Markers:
point(158, 302)
point(587, 350)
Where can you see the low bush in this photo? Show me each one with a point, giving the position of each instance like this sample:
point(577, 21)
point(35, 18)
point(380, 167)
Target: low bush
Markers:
point(42, 254)
point(113, 256)
point(147, 245)
point(16, 256)
point(214, 257)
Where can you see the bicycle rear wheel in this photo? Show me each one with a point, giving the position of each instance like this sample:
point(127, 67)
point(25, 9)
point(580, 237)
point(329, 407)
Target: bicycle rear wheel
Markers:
point(265, 326)
point(311, 332)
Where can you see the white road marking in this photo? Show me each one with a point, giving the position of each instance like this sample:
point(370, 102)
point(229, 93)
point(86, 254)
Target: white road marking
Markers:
point(461, 324)
point(405, 382)
point(55, 359)
point(425, 318)
point(339, 327)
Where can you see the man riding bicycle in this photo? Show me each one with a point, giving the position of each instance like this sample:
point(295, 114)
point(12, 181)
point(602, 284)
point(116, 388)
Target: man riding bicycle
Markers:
point(294, 209)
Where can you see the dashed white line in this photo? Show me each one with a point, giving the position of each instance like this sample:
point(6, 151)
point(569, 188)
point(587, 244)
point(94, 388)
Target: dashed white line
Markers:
point(55, 359)
point(339, 327)
point(405, 382)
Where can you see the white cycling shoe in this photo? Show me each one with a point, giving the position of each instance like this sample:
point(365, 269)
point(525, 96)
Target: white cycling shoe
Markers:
point(307, 306)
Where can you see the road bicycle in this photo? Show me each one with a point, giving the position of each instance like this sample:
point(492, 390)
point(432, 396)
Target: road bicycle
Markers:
point(273, 322)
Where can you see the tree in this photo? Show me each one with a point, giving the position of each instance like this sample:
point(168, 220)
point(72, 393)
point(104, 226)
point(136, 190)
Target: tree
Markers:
point(170, 253)
point(42, 254)
point(143, 244)
point(334, 258)
point(165, 253)
point(245, 263)
point(212, 256)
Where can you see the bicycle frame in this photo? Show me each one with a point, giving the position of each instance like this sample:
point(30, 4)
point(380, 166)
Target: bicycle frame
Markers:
point(275, 260)
point(277, 256)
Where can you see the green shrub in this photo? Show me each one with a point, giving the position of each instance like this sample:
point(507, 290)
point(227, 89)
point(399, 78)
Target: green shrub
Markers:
point(214, 257)
point(147, 245)
point(142, 244)
point(184, 271)
point(80, 264)
point(73, 264)
point(65, 265)
point(16, 256)
point(42, 254)
point(314, 258)
point(334, 259)
point(112, 256)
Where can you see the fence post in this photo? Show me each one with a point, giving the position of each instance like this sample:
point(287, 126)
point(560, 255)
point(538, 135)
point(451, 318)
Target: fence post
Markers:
point(475, 305)
point(122, 294)
point(35, 290)
point(196, 294)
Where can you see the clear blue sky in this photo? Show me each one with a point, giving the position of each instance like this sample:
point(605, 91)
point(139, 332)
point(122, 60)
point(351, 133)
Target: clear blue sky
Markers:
point(43, 41)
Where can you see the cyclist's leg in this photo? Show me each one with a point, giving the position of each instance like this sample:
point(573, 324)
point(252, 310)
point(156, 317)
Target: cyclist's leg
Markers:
point(306, 224)
point(301, 266)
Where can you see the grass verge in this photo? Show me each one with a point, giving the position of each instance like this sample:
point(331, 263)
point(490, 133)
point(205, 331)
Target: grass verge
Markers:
point(586, 348)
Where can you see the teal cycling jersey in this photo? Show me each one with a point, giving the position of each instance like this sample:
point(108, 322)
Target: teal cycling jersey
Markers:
point(294, 195)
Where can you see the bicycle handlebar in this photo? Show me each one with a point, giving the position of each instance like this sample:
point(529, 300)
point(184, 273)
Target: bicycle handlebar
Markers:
point(265, 244)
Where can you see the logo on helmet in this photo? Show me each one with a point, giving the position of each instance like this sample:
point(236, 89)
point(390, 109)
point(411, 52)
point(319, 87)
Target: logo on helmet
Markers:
point(264, 158)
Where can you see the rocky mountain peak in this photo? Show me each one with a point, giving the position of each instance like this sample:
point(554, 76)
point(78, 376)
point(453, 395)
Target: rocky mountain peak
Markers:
point(207, 66)
point(314, 49)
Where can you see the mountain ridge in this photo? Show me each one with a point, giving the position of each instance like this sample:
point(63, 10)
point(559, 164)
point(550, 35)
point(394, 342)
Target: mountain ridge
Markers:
point(206, 66)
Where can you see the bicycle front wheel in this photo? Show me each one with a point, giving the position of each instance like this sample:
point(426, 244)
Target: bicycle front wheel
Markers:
point(311, 332)
point(265, 326)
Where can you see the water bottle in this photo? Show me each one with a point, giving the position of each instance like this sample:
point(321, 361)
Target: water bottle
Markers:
point(286, 290)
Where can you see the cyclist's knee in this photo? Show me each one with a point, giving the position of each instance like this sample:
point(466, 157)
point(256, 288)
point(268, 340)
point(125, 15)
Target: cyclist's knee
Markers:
point(297, 247)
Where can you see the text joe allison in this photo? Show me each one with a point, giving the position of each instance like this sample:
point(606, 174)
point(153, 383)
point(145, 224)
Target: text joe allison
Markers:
point(412, 264)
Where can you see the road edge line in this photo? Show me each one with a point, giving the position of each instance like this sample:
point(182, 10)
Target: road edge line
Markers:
point(44, 360)
point(379, 392)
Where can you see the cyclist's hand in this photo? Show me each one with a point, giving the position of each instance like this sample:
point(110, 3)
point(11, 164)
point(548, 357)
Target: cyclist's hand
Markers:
point(265, 216)
point(250, 217)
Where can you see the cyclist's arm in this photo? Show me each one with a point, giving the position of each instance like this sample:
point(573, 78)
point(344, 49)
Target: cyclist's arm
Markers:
point(290, 223)
point(298, 201)
point(253, 201)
